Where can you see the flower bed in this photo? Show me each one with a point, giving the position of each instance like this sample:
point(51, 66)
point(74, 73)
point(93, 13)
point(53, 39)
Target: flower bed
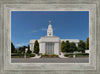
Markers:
point(49, 56)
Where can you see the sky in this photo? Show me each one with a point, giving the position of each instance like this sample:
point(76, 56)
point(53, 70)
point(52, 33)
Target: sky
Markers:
point(27, 25)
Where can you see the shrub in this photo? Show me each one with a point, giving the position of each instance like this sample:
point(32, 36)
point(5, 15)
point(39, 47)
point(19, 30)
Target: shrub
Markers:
point(45, 54)
point(17, 54)
point(82, 54)
point(54, 55)
point(32, 55)
point(22, 55)
point(68, 55)
point(27, 54)
point(77, 55)
point(40, 54)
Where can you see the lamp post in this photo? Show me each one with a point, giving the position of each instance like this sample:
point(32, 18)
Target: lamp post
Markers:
point(74, 55)
point(25, 52)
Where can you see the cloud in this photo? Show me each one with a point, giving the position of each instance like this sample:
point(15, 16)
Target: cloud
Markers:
point(34, 31)
point(21, 44)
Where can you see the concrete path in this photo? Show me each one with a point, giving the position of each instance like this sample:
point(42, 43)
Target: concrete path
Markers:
point(50, 60)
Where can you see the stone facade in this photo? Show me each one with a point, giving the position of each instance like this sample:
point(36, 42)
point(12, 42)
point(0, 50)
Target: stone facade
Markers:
point(50, 44)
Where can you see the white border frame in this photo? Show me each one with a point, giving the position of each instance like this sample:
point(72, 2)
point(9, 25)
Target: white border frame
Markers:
point(49, 7)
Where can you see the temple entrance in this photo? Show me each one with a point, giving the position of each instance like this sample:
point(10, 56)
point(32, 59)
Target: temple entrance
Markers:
point(49, 48)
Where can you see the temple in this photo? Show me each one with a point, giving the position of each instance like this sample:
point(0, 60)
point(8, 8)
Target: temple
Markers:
point(50, 44)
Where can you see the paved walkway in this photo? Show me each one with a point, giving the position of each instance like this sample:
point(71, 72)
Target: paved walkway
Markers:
point(50, 60)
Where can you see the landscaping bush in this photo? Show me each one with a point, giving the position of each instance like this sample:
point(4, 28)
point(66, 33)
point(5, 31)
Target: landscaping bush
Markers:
point(68, 55)
point(77, 55)
point(22, 55)
point(82, 54)
point(45, 54)
point(32, 55)
point(55, 55)
point(27, 54)
point(40, 54)
point(17, 54)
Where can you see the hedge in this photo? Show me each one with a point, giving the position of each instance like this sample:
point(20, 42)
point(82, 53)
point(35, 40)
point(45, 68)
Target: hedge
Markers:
point(77, 55)
point(68, 55)
point(22, 55)
point(84, 54)
point(32, 55)
point(17, 54)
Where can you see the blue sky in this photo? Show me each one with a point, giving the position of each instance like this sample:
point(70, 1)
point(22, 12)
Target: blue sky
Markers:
point(27, 25)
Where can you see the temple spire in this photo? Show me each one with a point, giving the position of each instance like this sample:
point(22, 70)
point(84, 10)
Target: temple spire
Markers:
point(49, 30)
point(49, 21)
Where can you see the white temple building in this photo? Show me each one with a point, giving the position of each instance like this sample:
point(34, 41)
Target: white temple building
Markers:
point(50, 44)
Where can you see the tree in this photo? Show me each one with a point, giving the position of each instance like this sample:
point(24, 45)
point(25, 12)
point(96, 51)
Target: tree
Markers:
point(29, 51)
point(87, 43)
point(73, 47)
point(15, 51)
point(81, 46)
point(63, 46)
point(28, 47)
point(22, 49)
point(12, 48)
point(36, 47)
point(67, 46)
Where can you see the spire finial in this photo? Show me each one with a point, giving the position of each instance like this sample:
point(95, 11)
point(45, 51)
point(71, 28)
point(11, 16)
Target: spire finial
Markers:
point(49, 21)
